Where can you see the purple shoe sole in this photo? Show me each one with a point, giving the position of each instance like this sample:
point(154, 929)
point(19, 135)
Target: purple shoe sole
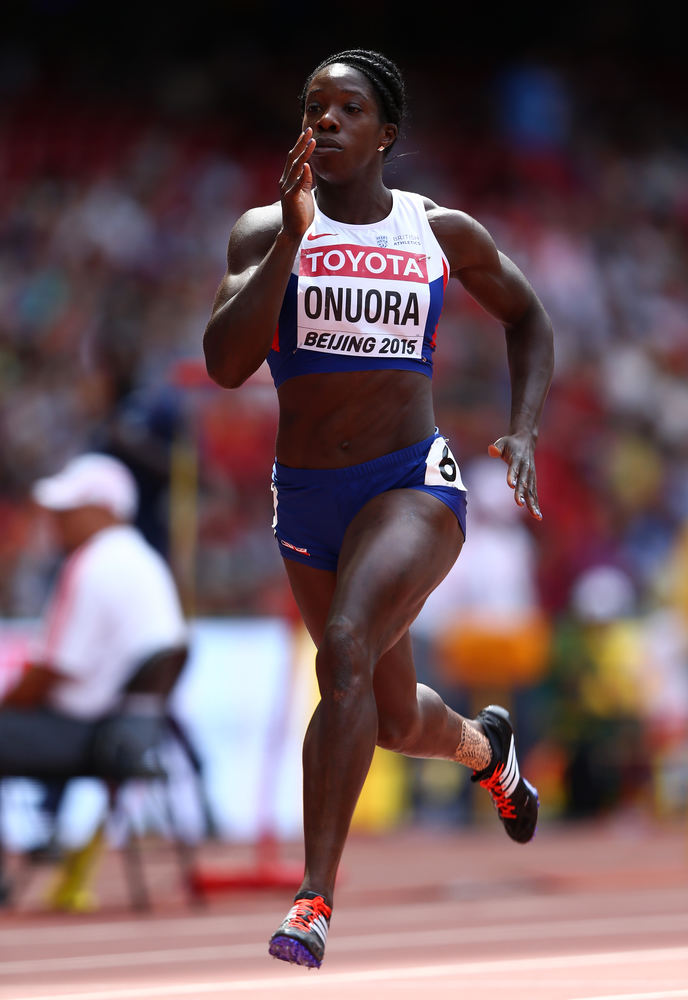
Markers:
point(290, 950)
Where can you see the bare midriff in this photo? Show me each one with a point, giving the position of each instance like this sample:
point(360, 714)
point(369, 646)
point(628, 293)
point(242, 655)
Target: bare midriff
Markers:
point(344, 418)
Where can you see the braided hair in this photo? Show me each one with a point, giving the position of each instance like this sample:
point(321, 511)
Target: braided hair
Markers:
point(384, 76)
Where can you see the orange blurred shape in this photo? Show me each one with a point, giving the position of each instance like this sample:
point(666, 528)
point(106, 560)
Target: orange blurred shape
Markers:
point(484, 653)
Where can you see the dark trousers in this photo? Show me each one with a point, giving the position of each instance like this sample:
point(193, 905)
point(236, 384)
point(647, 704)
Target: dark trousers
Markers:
point(42, 742)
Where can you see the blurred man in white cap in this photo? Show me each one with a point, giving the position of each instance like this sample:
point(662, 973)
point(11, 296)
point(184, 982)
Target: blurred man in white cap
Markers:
point(114, 604)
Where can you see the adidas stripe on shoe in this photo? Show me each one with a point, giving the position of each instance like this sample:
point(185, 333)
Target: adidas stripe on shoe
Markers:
point(302, 935)
point(514, 798)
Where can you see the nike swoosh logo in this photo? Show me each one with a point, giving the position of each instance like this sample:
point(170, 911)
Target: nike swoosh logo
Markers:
point(318, 236)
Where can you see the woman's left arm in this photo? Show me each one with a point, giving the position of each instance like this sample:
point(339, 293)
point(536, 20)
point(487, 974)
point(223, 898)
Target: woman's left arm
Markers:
point(502, 290)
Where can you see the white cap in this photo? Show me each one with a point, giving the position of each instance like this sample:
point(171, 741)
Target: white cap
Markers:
point(90, 480)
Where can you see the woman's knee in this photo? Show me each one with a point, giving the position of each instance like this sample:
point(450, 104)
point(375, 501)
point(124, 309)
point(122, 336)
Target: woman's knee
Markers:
point(343, 664)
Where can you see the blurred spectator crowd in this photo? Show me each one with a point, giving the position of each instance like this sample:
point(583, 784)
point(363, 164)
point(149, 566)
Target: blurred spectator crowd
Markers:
point(113, 233)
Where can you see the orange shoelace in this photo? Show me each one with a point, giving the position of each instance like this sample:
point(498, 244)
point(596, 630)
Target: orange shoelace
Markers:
point(505, 806)
point(305, 911)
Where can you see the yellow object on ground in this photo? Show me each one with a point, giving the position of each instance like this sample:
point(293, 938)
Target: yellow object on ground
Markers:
point(384, 796)
point(71, 890)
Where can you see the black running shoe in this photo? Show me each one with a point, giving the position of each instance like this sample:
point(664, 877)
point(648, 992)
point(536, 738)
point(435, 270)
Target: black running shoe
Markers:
point(302, 935)
point(514, 798)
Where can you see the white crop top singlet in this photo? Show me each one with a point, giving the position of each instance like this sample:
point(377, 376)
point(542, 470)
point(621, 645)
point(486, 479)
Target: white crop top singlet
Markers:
point(362, 297)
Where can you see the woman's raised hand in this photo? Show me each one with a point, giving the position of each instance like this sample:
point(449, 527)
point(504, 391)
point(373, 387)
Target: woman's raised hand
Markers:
point(296, 183)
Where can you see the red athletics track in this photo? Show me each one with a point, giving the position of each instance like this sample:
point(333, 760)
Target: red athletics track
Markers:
point(581, 913)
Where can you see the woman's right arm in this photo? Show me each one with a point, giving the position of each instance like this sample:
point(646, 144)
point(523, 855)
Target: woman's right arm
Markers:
point(260, 256)
point(248, 301)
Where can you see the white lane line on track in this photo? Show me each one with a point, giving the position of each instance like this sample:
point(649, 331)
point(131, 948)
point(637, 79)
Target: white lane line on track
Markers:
point(320, 981)
point(662, 995)
point(401, 939)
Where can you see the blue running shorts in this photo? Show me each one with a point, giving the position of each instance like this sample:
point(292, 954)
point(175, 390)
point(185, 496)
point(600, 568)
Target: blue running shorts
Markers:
point(314, 507)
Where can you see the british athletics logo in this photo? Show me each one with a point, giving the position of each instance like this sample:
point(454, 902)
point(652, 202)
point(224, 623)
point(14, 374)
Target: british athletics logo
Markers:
point(295, 548)
point(353, 261)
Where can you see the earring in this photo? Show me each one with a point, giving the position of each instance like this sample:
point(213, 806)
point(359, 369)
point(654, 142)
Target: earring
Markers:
point(381, 148)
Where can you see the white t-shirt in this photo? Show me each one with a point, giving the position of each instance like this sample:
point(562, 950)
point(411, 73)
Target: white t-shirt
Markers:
point(115, 603)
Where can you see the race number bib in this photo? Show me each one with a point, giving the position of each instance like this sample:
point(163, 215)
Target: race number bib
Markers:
point(362, 301)
point(441, 468)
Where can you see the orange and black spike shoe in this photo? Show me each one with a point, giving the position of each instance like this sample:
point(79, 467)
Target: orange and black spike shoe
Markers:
point(514, 798)
point(302, 935)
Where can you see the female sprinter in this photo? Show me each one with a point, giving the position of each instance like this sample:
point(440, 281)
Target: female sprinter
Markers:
point(339, 286)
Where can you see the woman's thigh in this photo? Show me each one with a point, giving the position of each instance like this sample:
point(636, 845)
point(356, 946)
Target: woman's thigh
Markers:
point(396, 550)
point(395, 678)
